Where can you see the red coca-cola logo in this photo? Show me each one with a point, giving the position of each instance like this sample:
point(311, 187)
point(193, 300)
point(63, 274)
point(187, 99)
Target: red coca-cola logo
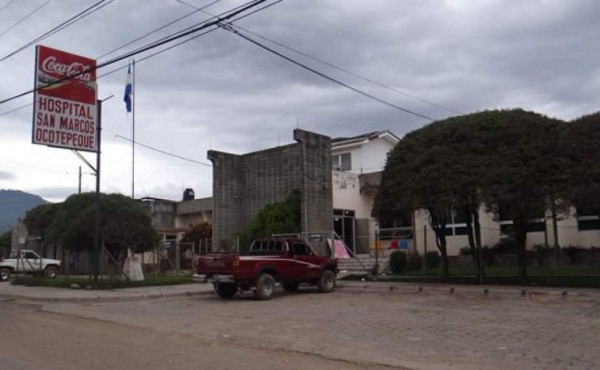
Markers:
point(77, 69)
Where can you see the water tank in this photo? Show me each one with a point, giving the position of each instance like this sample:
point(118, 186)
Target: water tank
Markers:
point(188, 194)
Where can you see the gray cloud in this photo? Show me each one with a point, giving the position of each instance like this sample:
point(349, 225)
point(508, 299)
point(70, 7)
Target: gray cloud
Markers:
point(222, 92)
point(6, 176)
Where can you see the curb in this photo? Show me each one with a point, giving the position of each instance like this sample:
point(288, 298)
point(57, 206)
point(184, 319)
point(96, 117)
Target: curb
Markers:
point(484, 290)
point(119, 298)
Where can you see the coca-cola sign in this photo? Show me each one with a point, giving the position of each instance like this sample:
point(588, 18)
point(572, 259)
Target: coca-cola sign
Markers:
point(64, 113)
point(65, 75)
point(79, 70)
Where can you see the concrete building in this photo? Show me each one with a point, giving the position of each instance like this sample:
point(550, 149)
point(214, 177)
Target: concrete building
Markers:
point(244, 184)
point(357, 163)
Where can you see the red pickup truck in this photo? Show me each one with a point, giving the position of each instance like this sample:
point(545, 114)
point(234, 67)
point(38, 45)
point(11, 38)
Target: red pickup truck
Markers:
point(290, 261)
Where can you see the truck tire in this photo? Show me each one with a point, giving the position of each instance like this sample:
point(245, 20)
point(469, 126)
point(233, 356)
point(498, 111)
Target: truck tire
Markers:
point(225, 290)
point(4, 274)
point(51, 272)
point(265, 287)
point(291, 287)
point(326, 282)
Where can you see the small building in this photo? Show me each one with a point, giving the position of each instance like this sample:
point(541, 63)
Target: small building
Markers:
point(357, 164)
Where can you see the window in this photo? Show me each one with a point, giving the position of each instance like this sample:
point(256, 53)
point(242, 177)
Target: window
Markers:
point(341, 162)
point(395, 225)
point(457, 223)
point(30, 256)
point(588, 219)
point(536, 224)
point(275, 246)
point(299, 249)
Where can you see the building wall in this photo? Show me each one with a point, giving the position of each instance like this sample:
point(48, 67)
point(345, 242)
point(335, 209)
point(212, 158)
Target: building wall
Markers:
point(194, 211)
point(162, 212)
point(244, 184)
point(568, 234)
point(347, 195)
point(366, 156)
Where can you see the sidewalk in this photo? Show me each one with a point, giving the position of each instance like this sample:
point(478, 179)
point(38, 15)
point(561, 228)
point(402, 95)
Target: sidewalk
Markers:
point(45, 294)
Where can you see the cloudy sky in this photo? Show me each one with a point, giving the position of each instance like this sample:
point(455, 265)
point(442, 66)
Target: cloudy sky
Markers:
point(219, 91)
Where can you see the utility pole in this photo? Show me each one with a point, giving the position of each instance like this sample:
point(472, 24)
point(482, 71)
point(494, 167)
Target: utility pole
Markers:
point(97, 221)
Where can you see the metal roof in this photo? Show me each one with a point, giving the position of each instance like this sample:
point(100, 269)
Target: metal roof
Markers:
point(360, 138)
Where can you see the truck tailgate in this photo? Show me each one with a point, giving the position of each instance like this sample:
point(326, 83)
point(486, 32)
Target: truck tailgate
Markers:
point(211, 264)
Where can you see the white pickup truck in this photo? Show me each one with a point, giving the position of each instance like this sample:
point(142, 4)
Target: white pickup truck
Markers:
point(27, 261)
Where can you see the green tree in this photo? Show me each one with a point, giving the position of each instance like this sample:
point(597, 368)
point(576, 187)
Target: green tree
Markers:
point(198, 234)
point(584, 138)
point(277, 218)
point(38, 220)
point(523, 168)
point(416, 177)
point(123, 224)
point(510, 158)
point(5, 243)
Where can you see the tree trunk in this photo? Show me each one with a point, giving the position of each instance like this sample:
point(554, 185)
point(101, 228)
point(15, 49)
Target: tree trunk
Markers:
point(438, 223)
point(520, 227)
point(477, 227)
point(555, 228)
point(470, 237)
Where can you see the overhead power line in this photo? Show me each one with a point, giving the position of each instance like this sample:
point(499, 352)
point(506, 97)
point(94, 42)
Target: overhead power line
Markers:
point(155, 54)
point(223, 17)
point(6, 5)
point(77, 17)
point(24, 18)
point(159, 28)
point(329, 64)
point(304, 54)
point(164, 152)
point(231, 29)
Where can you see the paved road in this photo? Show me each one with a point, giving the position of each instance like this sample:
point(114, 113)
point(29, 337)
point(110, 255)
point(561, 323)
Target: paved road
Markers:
point(35, 340)
point(401, 328)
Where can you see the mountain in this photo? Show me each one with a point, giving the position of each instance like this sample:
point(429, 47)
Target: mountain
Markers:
point(13, 205)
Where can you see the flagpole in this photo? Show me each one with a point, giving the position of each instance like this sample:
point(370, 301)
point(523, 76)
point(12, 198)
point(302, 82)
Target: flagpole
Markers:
point(133, 135)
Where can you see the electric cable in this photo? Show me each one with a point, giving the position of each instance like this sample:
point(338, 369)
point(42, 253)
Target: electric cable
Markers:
point(329, 64)
point(163, 152)
point(7, 4)
point(153, 54)
point(231, 29)
point(226, 15)
point(216, 23)
point(24, 18)
point(16, 109)
point(158, 29)
point(79, 16)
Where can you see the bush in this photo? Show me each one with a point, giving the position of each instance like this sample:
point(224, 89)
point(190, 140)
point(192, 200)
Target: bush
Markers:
point(575, 254)
point(465, 251)
point(505, 245)
point(432, 259)
point(414, 262)
point(398, 262)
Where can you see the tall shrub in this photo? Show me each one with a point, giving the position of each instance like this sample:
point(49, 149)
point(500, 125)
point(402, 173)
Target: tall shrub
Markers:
point(398, 262)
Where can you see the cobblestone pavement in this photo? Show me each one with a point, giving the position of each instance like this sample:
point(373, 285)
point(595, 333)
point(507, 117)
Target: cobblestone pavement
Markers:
point(426, 330)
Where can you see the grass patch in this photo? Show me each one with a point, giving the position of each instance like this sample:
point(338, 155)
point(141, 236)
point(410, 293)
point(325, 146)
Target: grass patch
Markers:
point(103, 283)
point(582, 277)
